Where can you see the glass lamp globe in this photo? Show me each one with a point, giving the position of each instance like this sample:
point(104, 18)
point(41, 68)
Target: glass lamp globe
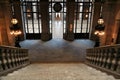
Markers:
point(96, 32)
point(14, 21)
point(102, 33)
point(100, 20)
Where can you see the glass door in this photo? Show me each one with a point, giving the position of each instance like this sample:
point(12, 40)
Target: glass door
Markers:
point(57, 13)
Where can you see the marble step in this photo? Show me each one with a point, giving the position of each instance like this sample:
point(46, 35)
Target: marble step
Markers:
point(58, 71)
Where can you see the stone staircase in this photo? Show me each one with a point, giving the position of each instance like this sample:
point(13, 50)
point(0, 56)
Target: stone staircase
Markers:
point(58, 71)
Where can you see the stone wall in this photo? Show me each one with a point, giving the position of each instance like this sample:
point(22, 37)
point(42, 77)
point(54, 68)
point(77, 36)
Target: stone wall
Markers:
point(110, 12)
point(5, 37)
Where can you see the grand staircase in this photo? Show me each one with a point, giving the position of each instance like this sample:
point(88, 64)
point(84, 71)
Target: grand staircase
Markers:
point(58, 71)
point(14, 59)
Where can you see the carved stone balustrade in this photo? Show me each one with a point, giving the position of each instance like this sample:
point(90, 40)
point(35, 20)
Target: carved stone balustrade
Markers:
point(105, 58)
point(12, 58)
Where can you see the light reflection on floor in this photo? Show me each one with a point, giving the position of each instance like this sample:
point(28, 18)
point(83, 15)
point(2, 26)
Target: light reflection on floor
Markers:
point(57, 30)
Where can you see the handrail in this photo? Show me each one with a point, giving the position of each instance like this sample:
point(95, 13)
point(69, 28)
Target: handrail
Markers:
point(105, 57)
point(12, 58)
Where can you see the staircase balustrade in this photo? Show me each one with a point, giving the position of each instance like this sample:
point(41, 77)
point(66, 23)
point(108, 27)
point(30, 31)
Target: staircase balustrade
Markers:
point(12, 58)
point(105, 58)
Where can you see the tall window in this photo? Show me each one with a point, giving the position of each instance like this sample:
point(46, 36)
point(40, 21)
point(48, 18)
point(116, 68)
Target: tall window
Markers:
point(31, 18)
point(83, 16)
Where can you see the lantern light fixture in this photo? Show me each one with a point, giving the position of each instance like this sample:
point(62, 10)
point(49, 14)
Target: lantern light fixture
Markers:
point(101, 20)
point(14, 21)
point(100, 33)
point(99, 28)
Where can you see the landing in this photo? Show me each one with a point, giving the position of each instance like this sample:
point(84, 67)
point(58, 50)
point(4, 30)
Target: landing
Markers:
point(57, 50)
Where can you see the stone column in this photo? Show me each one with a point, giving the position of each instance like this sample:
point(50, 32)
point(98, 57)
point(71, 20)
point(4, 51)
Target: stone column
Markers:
point(5, 37)
point(70, 5)
point(44, 10)
point(112, 9)
point(18, 15)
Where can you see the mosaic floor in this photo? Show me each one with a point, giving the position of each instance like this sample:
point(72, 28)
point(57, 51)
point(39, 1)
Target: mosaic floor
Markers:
point(58, 71)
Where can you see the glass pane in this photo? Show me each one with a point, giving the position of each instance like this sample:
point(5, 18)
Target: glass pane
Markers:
point(80, 0)
point(35, 16)
point(64, 30)
point(50, 27)
point(80, 8)
point(40, 29)
point(36, 30)
point(30, 30)
point(85, 23)
point(35, 25)
point(86, 0)
point(29, 21)
point(90, 8)
point(78, 30)
point(83, 30)
point(26, 30)
point(30, 26)
point(74, 27)
point(65, 9)
point(50, 10)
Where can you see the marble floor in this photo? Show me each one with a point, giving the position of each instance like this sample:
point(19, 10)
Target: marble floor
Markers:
point(57, 50)
point(58, 71)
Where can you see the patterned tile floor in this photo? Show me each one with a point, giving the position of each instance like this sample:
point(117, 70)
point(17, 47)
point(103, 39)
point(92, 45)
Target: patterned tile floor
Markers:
point(58, 71)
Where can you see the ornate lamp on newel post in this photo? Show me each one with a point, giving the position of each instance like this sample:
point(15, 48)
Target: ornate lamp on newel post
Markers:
point(15, 28)
point(99, 28)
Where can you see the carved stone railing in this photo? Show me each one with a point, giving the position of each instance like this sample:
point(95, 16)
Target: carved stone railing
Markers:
point(106, 58)
point(12, 58)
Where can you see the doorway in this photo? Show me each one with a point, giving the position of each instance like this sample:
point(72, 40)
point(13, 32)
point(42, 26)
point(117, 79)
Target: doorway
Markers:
point(57, 18)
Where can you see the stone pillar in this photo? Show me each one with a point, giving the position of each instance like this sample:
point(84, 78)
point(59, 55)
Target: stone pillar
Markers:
point(5, 37)
point(70, 5)
point(109, 11)
point(44, 10)
point(18, 15)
